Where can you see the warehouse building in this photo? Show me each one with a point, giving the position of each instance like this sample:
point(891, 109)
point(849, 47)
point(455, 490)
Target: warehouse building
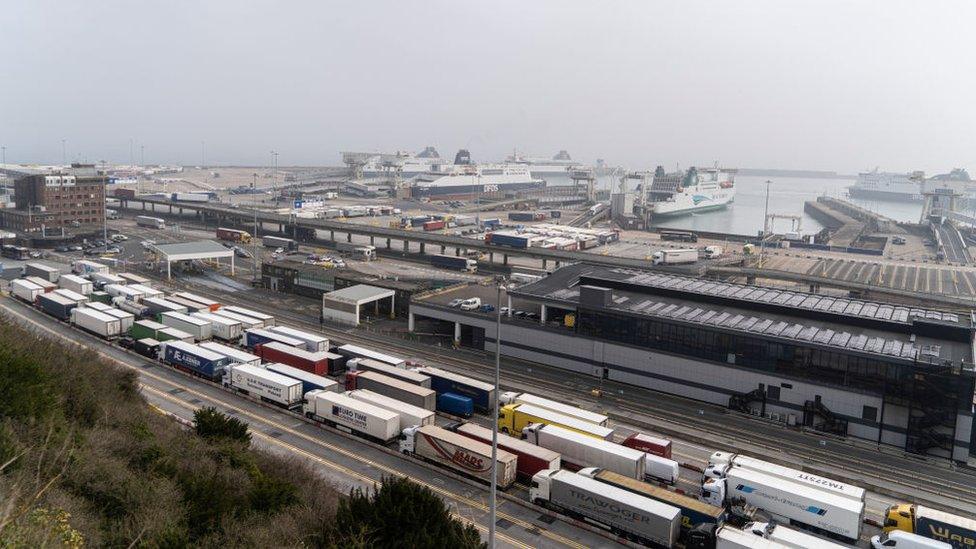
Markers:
point(350, 305)
point(894, 374)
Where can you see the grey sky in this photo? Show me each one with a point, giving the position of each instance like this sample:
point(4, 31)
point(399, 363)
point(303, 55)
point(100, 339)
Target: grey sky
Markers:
point(834, 85)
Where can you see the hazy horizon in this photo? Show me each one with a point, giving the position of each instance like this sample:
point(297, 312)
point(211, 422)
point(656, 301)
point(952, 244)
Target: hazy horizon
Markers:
point(836, 86)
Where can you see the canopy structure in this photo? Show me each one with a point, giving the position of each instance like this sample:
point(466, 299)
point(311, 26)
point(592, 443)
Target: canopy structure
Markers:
point(188, 251)
point(344, 305)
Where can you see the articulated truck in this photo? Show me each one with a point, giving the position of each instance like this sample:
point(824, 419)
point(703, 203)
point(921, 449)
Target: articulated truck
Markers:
point(958, 531)
point(624, 513)
point(787, 501)
point(788, 537)
point(464, 455)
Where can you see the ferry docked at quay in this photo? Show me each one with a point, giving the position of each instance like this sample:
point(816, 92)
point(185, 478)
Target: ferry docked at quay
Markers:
point(693, 191)
point(466, 180)
point(907, 187)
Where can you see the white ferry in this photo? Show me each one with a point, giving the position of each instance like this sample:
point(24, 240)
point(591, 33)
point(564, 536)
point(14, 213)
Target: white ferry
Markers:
point(697, 190)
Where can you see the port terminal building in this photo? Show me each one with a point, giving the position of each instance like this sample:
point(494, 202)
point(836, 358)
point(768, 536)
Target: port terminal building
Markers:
point(898, 375)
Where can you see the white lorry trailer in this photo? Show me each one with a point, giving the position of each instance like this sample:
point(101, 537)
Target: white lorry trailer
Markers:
point(267, 385)
point(675, 257)
point(579, 451)
point(457, 452)
point(410, 415)
point(313, 342)
point(221, 327)
point(787, 501)
point(96, 322)
point(234, 354)
point(794, 539)
point(559, 407)
point(200, 329)
point(353, 416)
point(627, 514)
point(126, 319)
point(719, 462)
point(729, 537)
point(25, 290)
point(76, 284)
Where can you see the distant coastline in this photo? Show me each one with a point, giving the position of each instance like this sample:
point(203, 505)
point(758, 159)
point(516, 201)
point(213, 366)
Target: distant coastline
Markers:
point(768, 172)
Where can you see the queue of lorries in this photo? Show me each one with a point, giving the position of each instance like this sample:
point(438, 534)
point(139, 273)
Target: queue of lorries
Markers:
point(569, 456)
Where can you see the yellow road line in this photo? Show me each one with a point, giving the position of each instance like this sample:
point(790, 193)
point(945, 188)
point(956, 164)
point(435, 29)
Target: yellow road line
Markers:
point(528, 526)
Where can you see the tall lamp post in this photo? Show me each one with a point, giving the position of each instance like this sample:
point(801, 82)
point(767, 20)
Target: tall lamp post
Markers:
point(492, 502)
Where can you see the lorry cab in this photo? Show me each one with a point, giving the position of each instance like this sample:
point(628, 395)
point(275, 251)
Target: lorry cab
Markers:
point(714, 471)
point(539, 488)
point(713, 491)
point(906, 540)
point(407, 438)
point(899, 517)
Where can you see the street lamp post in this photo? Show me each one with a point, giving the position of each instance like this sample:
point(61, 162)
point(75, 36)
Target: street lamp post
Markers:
point(492, 502)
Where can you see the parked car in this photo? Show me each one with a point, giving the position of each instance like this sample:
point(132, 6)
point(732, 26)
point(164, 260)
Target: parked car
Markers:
point(898, 240)
point(62, 249)
point(455, 303)
point(75, 248)
point(505, 310)
point(471, 304)
point(487, 308)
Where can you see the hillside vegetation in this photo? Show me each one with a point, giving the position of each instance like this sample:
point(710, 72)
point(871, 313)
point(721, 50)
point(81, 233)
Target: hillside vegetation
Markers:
point(84, 461)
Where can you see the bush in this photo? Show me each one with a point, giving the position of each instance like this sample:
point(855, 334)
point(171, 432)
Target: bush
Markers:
point(213, 424)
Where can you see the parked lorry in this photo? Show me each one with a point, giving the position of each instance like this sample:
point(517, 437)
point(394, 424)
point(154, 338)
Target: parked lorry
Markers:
point(512, 397)
point(247, 323)
point(729, 537)
point(25, 290)
point(699, 520)
point(41, 270)
point(455, 405)
point(76, 284)
point(137, 309)
point(267, 385)
point(119, 290)
point(84, 266)
point(295, 356)
point(370, 365)
point(233, 235)
point(132, 278)
point(145, 328)
point(42, 282)
point(310, 381)
point(353, 416)
point(410, 415)
point(393, 388)
point(313, 342)
point(787, 501)
point(73, 296)
point(359, 252)
point(459, 453)
point(531, 458)
point(897, 539)
point(626, 514)
point(481, 394)
point(266, 320)
point(210, 304)
point(55, 305)
point(95, 322)
point(513, 418)
point(257, 336)
point(221, 327)
point(454, 263)
point(191, 306)
point(157, 306)
point(193, 359)
point(126, 319)
point(147, 347)
point(235, 355)
point(174, 334)
point(279, 242)
point(959, 531)
point(199, 328)
point(678, 256)
point(579, 451)
point(794, 539)
point(150, 222)
point(355, 351)
point(720, 462)
point(713, 252)
point(146, 291)
point(652, 445)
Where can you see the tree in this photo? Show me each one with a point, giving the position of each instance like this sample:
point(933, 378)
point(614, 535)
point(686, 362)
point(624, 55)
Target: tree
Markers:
point(401, 513)
point(213, 424)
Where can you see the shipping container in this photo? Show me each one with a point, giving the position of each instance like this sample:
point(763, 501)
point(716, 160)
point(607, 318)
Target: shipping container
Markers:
point(208, 303)
point(313, 342)
point(513, 418)
point(147, 347)
point(146, 328)
point(646, 443)
point(45, 284)
point(354, 351)
point(699, 520)
point(580, 451)
point(509, 239)
point(25, 290)
point(279, 242)
point(512, 397)
point(297, 357)
point(455, 405)
point(481, 394)
point(459, 453)
point(199, 328)
point(632, 515)
point(403, 374)
point(266, 320)
point(264, 384)
point(222, 327)
point(247, 323)
point(41, 270)
point(56, 305)
point(100, 279)
point(394, 388)
point(126, 319)
point(310, 381)
point(433, 225)
point(95, 322)
point(235, 355)
point(132, 278)
point(76, 284)
point(353, 416)
point(258, 336)
point(157, 306)
point(84, 266)
point(410, 415)
point(531, 458)
point(193, 359)
point(174, 334)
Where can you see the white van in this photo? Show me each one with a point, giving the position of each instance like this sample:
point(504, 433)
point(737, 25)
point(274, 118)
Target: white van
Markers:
point(471, 304)
point(906, 540)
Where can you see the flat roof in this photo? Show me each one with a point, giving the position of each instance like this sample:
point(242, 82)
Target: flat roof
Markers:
point(358, 294)
point(200, 249)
